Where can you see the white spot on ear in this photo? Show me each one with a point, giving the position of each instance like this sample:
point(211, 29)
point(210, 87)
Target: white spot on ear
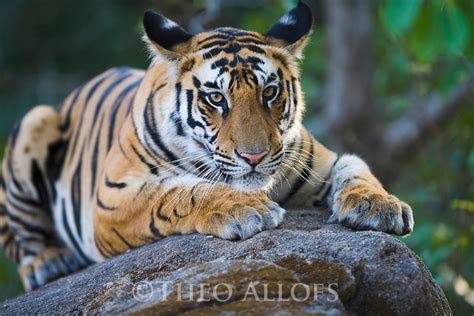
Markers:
point(168, 24)
point(287, 19)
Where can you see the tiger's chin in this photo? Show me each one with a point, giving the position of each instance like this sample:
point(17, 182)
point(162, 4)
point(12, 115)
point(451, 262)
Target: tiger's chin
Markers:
point(252, 181)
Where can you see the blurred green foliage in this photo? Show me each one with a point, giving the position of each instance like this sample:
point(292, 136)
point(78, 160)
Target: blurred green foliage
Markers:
point(420, 48)
point(428, 47)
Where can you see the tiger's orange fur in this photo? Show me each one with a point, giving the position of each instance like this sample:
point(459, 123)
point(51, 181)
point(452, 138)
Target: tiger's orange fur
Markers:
point(133, 156)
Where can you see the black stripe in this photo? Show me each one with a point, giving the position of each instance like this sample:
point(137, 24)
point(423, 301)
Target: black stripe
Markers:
point(111, 249)
point(177, 115)
point(41, 189)
point(115, 185)
point(215, 43)
point(219, 63)
point(212, 53)
point(175, 213)
point(153, 154)
point(293, 88)
point(191, 122)
point(3, 209)
point(106, 93)
point(210, 84)
point(160, 216)
point(95, 155)
point(67, 123)
point(31, 279)
point(153, 169)
point(150, 126)
point(54, 164)
point(13, 202)
point(193, 200)
point(28, 226)
point(323, 201)
point(215, 36)
point(70, 235)
point(102, 205)
point(222, 155)
point(140, 190)
point(125, 241)
point(116, 107)
point(101, 247)
point(335, 162)
point(286, 116)
point(230, 164)
point(154, 230)
point(295, 102)
point(76, 197)
point(254, 49)
point(24, 200)
point(300, 180)
point(83, 112)
point(250, 40)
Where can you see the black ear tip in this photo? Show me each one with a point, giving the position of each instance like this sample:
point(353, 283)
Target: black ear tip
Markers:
point(303, 5)
point(149, 18)
point(163, 31)
point(304, 11)
point(293, 25)
point(149, 14)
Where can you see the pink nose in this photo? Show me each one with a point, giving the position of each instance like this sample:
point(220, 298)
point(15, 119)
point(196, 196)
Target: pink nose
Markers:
point(253, 158)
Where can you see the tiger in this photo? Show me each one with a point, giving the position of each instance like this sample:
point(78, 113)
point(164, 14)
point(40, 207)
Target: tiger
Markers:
point(208, 139)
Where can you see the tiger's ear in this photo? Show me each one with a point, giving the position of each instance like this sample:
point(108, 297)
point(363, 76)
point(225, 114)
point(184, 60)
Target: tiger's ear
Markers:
point(165, 37)
point(292, 30)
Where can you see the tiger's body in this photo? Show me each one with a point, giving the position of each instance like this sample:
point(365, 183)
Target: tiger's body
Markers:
point(209, 139)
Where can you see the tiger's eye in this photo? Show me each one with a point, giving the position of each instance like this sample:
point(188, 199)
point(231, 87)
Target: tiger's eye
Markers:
point(269, 92)
point(216, 97)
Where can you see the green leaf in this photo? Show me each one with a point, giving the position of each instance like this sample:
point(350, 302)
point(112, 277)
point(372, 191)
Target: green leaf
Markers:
point(455, 29)
point(424, 39)
point(399, 15)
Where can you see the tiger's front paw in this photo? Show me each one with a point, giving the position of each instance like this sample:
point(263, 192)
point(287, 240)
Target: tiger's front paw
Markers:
point(241, 219)
point(366, 208)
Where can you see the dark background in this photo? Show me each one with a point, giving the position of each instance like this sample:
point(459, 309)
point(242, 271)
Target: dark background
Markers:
point(390, 80)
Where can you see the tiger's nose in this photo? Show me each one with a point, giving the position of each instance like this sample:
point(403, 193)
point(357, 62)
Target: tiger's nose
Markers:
point(254, 157)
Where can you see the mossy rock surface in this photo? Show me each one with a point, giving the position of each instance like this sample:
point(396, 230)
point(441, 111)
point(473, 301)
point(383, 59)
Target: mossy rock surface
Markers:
point(305, 267)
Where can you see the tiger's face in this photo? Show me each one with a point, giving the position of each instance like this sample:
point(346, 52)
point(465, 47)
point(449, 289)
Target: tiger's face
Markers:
point(240, 91)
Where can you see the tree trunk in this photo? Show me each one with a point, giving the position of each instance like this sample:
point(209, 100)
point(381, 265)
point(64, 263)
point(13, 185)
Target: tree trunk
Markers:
point(348, 108)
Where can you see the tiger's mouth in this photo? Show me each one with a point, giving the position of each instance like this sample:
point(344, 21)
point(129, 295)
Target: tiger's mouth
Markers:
point(251, 181)
point(246, 178)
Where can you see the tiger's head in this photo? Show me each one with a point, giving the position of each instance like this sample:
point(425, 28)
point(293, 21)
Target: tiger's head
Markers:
point(237, 99)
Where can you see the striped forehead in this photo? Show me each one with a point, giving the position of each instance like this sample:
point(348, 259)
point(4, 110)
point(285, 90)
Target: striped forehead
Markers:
point(232, 54)
point(229, 40)
point(227, 68)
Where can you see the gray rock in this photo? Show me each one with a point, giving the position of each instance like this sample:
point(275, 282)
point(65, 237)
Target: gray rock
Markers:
point(304, 267)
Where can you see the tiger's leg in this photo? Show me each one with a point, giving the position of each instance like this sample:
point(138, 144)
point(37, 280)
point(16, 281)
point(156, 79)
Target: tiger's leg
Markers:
point(359, 200)
point(346, 185)
point(158, 211)
point(137, 204)
point(139, 200)
point(30, 237)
